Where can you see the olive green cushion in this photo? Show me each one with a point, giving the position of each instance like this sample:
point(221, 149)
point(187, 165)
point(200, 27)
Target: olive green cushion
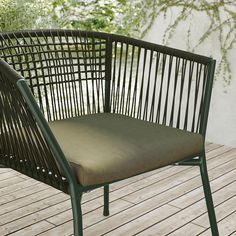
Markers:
point(107, 147)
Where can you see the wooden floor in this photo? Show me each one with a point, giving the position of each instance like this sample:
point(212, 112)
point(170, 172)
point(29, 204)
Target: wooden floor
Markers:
point(164, 202)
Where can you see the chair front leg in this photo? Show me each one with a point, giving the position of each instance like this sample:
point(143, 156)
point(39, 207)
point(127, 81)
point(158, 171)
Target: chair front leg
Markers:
point(208, 196)
point(77, 213)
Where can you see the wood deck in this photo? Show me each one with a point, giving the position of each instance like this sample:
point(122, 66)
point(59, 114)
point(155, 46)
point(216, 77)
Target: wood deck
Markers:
point(168, 201)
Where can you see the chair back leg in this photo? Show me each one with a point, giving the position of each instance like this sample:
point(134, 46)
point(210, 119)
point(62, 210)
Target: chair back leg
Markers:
point(106, 200)
point(208, 196)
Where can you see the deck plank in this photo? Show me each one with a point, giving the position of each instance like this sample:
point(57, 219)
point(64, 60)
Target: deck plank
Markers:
point(144, 221)
point(188, 229)
point(226, 227)
point(222, 211)
point(36, 228)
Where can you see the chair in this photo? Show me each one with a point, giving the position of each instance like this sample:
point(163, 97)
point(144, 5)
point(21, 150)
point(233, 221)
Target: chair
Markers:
point(81, 110)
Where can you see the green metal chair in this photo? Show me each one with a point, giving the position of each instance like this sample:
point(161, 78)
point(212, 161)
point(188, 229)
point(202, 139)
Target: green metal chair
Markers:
point(81, 110)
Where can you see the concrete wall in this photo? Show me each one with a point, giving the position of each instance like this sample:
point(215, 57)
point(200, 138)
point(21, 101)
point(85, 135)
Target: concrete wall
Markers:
point(222, 118)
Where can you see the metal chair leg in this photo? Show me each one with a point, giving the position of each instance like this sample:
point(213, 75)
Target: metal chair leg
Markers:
point(106, 201)
point(77, 214)
point(208, 196)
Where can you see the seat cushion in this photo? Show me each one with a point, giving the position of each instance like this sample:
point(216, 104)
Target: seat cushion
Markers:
point(108, 147)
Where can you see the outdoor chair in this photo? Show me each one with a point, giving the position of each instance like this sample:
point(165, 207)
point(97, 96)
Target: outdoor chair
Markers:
point(81, 110)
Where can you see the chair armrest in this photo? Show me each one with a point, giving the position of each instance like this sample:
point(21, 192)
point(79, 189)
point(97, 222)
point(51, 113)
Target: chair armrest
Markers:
point(161, 84)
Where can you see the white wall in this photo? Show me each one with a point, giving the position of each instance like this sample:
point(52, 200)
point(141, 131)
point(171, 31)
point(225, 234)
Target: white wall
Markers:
point(222, 118)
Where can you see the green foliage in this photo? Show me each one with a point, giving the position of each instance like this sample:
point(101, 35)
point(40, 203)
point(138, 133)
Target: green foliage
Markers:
point(113, 16)
point(21, 14)
point(222, 24)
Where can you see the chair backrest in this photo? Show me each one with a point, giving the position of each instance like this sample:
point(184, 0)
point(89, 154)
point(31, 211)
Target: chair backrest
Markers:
point(64, 69)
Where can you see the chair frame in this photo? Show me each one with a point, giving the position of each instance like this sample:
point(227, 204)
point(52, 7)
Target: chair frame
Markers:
point(73, 188)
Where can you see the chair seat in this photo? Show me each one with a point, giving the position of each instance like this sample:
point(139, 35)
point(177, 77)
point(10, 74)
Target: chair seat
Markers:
point(107, 147)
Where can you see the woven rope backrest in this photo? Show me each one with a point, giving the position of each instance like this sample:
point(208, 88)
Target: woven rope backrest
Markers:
point(22, 145)
point(64, 69)
point(159, 84)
